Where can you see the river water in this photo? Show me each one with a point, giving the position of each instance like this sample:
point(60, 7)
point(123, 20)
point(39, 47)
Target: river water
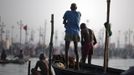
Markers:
point(16, 69)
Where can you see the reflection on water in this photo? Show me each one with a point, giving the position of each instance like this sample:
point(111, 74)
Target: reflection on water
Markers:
point(16, 69)
point(13, 69)
point(116, 63)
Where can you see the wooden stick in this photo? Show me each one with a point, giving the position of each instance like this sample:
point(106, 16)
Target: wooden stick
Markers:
point(51, 42)
point(106, 55)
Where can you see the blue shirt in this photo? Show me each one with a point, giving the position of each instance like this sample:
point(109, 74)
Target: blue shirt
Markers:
point(72, 19)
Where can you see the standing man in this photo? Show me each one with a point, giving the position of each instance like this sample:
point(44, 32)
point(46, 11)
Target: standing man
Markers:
point(88, 40)
point(71, 20)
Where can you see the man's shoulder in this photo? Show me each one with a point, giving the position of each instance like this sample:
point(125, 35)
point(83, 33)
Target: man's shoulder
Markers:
point(68, 11)
point(78, 12)
point(38, 61)
point(90, 29)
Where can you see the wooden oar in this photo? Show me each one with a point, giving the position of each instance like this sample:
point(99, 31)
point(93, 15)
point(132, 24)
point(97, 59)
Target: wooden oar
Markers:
point(106, 39)
point(51, 42)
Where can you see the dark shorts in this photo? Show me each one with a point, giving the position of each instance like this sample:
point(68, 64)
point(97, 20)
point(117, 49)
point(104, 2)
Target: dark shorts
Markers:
point(70, 37)
point(87, 49)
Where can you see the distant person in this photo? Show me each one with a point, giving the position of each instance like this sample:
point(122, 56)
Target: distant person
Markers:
point(42, 64)
point(3, 55)
point(71, 21)
point(88, 40)
point(21, 56)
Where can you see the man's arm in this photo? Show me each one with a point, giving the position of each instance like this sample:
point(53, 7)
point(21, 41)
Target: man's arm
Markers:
point(65, 19)
point(36, 66)
point(95, 41)
point(64, 22)
point(82, 39)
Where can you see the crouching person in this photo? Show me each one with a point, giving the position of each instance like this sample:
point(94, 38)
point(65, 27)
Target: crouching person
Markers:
point(42, 64)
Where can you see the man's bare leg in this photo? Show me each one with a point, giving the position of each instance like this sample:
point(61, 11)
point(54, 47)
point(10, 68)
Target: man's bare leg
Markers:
point(67, 43)
point(76, 53)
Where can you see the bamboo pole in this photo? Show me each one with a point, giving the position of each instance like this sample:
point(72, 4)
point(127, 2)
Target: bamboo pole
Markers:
point(51, 42)
point(106, 55)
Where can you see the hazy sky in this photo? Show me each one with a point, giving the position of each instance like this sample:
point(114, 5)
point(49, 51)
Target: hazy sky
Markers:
point(35, 13)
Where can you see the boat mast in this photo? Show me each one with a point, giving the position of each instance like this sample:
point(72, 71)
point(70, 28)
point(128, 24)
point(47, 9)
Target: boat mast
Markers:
point(51, 42)
point(106, 38)
point(118, 39)
point(56, 38)
point(26, 35)
point(12, 39)
point(2, 31)
point(45, 25)
point(40, 34)
point(20, 23)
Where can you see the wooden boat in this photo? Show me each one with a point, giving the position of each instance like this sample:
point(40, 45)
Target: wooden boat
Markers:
point(14, 61)
point(18, 61)
point(86, 69)
point(3, 61)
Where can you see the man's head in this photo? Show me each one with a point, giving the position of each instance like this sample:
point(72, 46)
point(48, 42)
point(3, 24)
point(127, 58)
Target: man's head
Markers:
point(73, 6)
point(42, 56)
point(83, 26)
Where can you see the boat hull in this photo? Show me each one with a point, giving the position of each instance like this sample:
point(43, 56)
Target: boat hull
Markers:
point(86, 69)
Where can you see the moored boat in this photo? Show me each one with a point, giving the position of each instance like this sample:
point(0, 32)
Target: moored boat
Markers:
point(14, 61)
point(18, 61)
point(3, 61)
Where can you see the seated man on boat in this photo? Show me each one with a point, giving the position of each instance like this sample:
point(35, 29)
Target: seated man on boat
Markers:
point(88, 40)
point(42, 64)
